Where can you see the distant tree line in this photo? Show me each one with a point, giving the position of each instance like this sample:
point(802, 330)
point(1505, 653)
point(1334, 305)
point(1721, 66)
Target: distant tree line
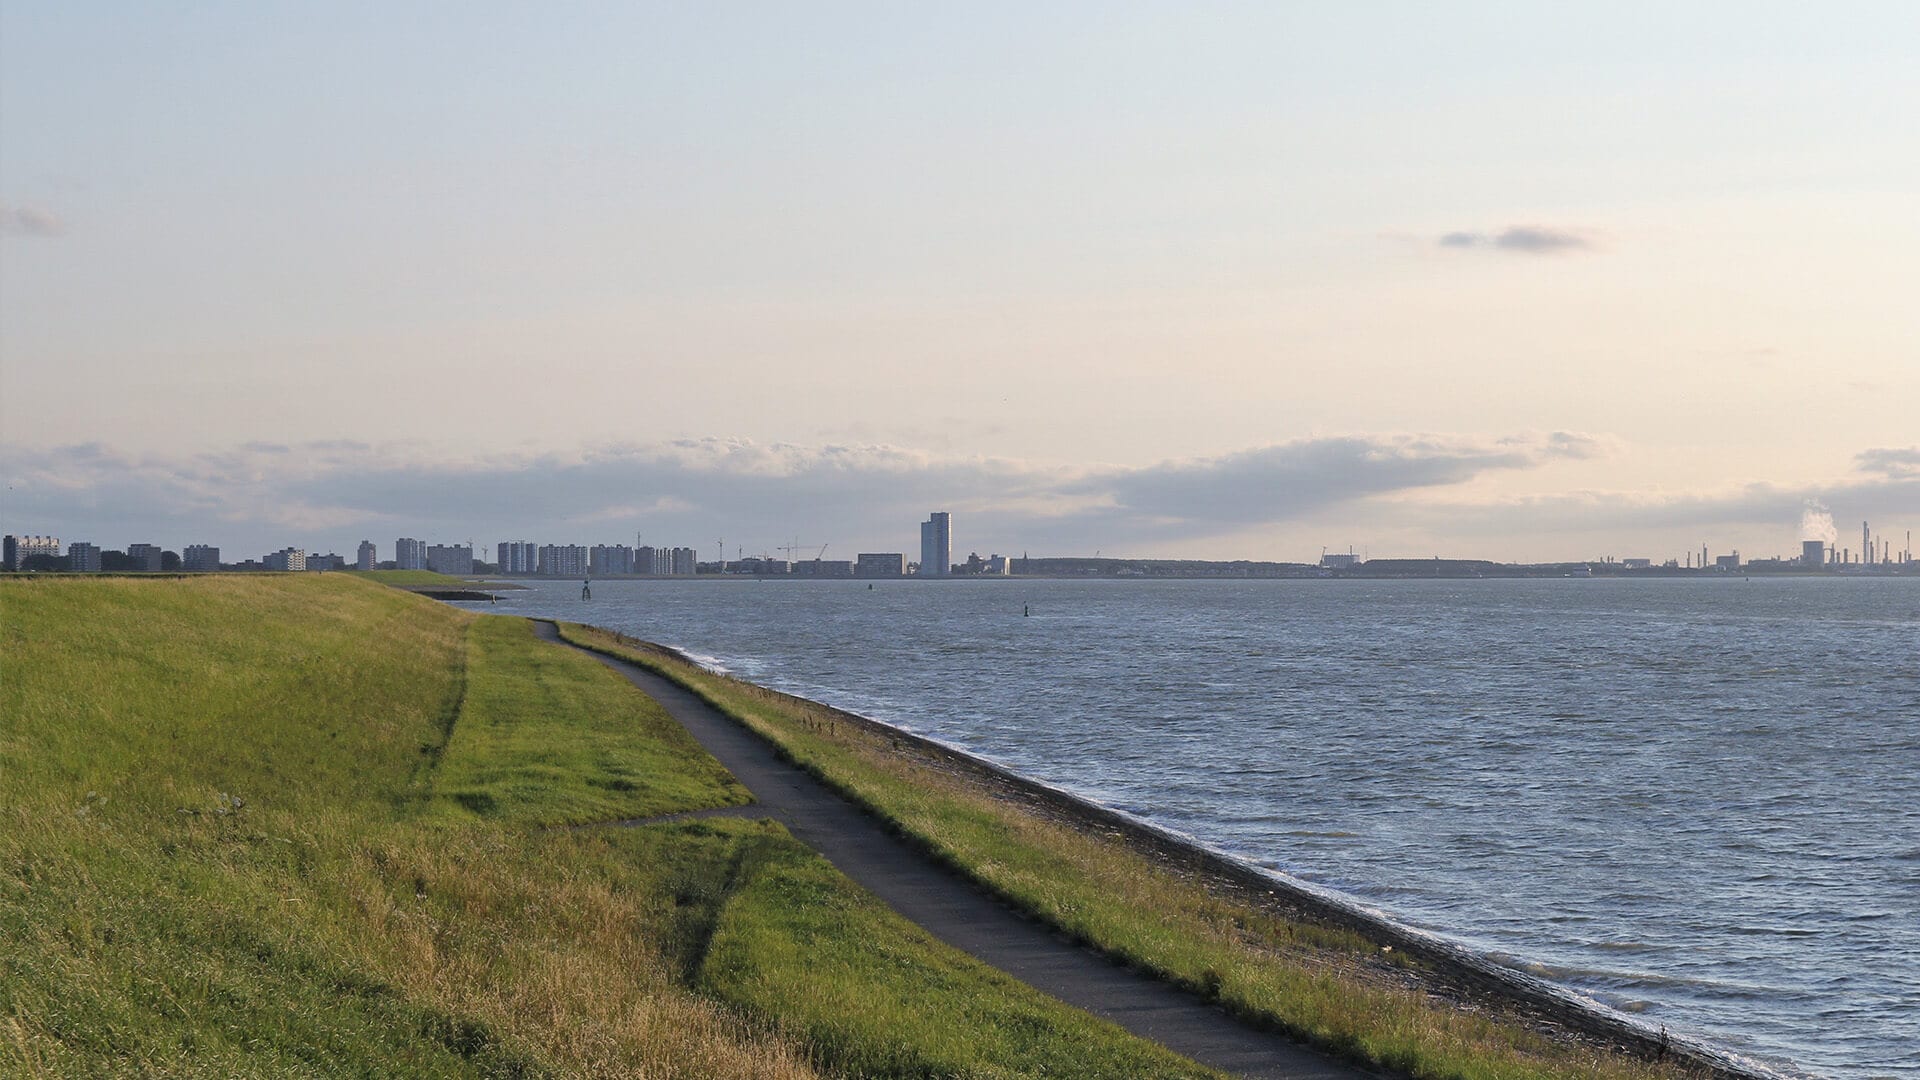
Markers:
point(111, 562)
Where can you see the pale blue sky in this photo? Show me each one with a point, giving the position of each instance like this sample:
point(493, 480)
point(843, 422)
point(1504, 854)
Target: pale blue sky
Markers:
point(1021, 260)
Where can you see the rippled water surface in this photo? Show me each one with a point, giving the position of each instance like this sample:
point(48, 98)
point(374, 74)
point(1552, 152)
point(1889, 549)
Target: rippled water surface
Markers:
point(1694, 800)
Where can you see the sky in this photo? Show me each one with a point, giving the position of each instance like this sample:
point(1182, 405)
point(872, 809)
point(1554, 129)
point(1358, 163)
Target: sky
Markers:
point(1484, 280)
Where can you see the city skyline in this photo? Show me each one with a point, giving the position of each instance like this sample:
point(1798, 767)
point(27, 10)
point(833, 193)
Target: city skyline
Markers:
point(1822, 548)
point(1235, 280)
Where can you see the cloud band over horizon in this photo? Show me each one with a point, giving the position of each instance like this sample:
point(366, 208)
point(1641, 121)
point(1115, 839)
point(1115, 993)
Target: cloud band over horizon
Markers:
point(696, 490)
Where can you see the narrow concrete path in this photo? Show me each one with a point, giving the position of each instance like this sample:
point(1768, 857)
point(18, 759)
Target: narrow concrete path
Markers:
point(963, 915)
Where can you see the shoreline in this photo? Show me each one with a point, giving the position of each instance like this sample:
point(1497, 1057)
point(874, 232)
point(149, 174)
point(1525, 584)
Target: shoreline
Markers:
point(1454, 974)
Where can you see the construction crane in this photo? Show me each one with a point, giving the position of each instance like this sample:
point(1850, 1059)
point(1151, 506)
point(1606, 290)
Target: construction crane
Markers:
point(796, 547)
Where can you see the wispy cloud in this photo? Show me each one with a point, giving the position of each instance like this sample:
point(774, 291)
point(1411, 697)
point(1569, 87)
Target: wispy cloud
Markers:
point(1521, 240)
point(30, 221)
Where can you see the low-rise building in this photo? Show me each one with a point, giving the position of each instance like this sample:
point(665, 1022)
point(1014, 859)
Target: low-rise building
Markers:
point(991, 566)
point(890, 564)
point(823, 568)
point(286, 559)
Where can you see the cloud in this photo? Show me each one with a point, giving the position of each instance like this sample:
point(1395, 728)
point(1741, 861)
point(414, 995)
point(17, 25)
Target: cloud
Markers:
point(328, 495)
point(1521, 240)
point(1294, 480)
point(30, 221)
point(1881, 489)
point(1897, 464)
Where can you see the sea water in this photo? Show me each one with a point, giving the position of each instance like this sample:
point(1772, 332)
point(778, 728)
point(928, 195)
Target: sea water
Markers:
point(1696, 801)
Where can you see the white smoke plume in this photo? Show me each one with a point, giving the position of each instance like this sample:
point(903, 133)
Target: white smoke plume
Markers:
point(1817, 524)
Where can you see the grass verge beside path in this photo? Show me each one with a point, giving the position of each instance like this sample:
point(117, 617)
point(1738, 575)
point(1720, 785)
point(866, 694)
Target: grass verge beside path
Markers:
point(231, 844)
point(545, 739)
point(1328, 986)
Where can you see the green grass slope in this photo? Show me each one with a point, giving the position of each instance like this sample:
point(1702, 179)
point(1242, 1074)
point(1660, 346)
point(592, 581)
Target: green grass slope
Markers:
point(407, 578)
point(296, 825)
point(547, 737)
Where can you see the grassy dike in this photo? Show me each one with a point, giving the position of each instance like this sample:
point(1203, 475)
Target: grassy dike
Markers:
point(303, 825)
point(1327, 985)
point(409, 578)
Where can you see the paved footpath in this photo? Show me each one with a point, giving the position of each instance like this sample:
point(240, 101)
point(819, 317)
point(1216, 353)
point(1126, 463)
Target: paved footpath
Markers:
point(963, 915)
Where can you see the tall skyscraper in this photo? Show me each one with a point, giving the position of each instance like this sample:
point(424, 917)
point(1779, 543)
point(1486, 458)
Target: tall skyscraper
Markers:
point(368, 557)
point(936, 544)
